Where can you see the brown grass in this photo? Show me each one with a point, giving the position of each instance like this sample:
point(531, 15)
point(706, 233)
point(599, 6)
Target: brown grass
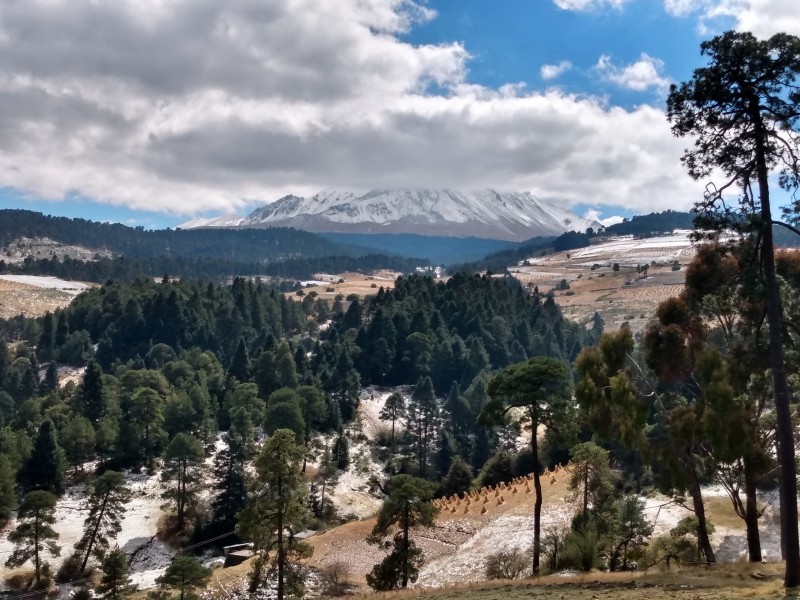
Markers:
point(21, 298)
point(354, 283)
point(723, 582)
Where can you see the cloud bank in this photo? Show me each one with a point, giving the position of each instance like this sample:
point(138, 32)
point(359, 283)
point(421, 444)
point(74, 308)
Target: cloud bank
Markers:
point(183, 107)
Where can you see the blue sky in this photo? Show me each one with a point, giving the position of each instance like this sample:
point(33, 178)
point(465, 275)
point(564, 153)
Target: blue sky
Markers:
point(149, 114)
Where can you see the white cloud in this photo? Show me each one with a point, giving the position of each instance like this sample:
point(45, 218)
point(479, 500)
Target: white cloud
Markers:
point(584, 5)
point(594, 215)
point(197, 106)
point(642, 75)
point(552, 71)
point(681, 8)
point(761, 17)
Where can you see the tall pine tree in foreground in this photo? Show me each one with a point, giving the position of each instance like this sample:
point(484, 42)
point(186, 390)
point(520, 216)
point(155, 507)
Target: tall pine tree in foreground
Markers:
point(406, 506)
point(34, 536)
point(276, 509)
point(741, 113)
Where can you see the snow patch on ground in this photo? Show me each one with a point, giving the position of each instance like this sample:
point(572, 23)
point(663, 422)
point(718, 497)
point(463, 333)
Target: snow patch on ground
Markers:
point(149, 557)
point(53, 283)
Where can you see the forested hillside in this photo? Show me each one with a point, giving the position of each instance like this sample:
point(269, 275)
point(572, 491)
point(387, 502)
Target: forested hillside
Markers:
point(258, 245)
point(179, 372)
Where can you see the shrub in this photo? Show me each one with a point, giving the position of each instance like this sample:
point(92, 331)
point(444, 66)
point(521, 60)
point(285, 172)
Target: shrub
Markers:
point(330, 289)
point(373, 285)
point(336, 577)
point(506, 564)
point(580, 550)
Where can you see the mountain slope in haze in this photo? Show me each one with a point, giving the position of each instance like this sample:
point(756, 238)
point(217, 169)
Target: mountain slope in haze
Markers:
point(436, 248)
point(511, 216)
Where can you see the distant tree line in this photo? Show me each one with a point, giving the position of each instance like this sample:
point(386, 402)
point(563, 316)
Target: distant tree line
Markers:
point(127, 268)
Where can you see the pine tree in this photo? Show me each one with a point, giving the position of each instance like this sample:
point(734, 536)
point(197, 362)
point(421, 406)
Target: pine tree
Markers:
point(457, 480)
point(182, 462)
point(44, 347)
point(91, 399)
point(34, 535)
point(541, 386)
point(185, 574)
point(115, 583)
point(8, 496)
point(240, 365)
point(78, 440)
point(106, 501)
point(50, 381)
point(406, 506)
point(422, 420)
point(44, 470)
point(393, 410)
point(275, 510)
point(229, 483)
point(341, 451)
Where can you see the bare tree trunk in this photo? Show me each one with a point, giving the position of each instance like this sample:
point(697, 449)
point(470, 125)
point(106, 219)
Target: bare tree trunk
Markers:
point(703, 542)
point(751, 513)
point(537, 507)
point(785, 435)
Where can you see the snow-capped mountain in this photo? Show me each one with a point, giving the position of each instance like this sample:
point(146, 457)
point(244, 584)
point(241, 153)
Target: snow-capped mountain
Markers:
point(515, 216)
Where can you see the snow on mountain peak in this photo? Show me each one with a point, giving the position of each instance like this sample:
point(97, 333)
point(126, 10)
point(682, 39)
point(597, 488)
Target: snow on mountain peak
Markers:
point(514, 216)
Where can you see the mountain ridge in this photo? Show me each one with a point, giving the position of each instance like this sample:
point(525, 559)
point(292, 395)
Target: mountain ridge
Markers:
point(489, 214)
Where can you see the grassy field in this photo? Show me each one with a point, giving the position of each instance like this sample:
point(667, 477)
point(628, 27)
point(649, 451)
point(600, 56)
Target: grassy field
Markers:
point(722, 582)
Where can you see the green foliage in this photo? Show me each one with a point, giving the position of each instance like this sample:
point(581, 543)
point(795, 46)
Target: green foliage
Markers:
point(498, 469)
point(8, 497)
point(44, 470)
point(229, 484)
point(182, 462)
point(341, 451)
point(277, 505)
point(540, 386)
point(108, 495)
point(399, 568)
point(185, 575)
point(284, 412)
point(406, 506)
point(114, 582)
point(34, 536)
point(590, 475)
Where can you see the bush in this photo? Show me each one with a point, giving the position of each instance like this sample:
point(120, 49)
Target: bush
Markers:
point(373, 285)
point(330, 289)
point(70, 569)
point(506, 564)
point(336, 577)
point(580, 550)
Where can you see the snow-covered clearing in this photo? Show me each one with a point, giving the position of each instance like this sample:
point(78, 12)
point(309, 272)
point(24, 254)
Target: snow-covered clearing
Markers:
point(352, 495)
point(149, 557)
point(52, 283)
